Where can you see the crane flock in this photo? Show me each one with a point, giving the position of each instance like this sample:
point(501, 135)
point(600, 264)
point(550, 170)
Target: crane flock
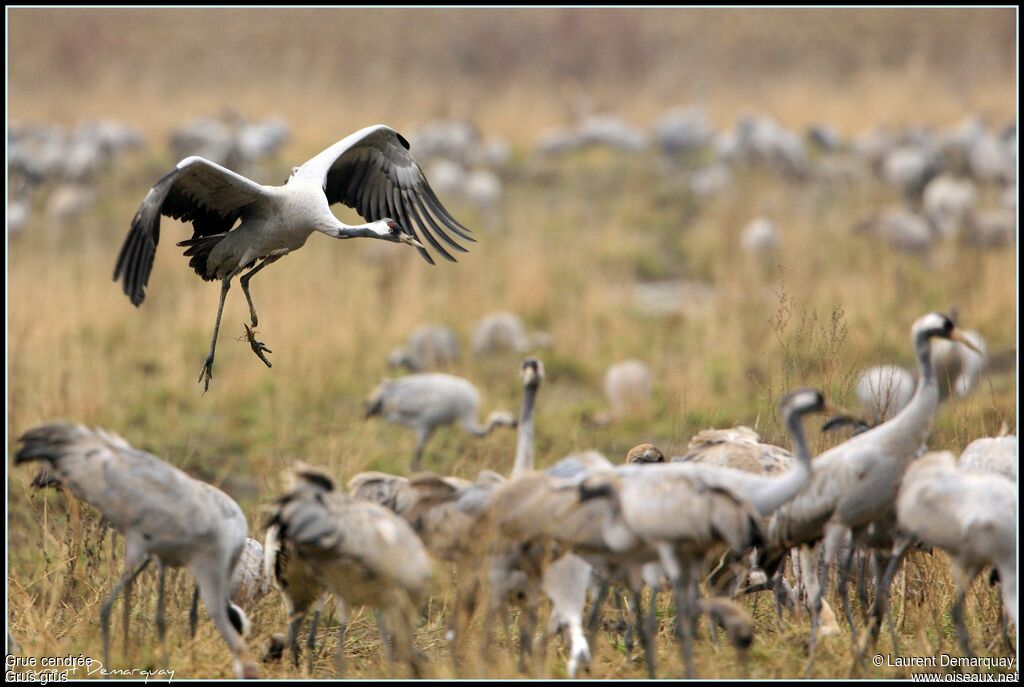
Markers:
point(567, 531)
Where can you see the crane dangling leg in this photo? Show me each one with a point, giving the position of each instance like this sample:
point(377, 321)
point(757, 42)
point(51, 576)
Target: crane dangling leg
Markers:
point(258, 347)
point(243, 281)
point(206, 375)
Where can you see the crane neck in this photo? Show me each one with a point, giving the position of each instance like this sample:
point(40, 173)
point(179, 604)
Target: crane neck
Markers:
point(335, 228)
point(925, 367)
point(902, 436)
point(768, 494)
point(795, 425)
point(524, 433)
point(915, 420)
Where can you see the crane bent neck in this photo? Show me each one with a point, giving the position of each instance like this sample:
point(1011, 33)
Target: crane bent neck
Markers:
point(772, 493)
point(902, 436)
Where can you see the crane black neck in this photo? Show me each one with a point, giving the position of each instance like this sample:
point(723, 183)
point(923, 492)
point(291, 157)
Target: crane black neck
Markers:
point(795, 424)
point(923, 350)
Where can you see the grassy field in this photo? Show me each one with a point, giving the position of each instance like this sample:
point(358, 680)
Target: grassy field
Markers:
point(573, 237)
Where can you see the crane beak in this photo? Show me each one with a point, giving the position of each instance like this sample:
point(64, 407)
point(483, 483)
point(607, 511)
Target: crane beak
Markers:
point(409, 240)
point(959, 337)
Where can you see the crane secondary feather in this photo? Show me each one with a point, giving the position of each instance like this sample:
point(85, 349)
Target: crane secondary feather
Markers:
point(240, 225)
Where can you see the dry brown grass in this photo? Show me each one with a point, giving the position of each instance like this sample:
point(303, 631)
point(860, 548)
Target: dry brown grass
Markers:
point(78, 350)
point(513, 71)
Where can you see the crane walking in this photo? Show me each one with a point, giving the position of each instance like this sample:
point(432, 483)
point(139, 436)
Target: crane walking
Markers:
point(164, 515)
point(428, 400)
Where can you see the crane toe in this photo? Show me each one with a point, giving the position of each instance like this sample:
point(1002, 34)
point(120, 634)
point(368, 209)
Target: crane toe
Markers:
point(258, 347)
point(206, 374)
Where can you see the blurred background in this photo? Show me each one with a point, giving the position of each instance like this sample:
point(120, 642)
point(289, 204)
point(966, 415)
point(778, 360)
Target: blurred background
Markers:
point(741, 201)
point(511, 71)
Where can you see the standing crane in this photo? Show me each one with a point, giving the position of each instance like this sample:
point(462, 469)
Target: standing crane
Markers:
point(855, 484)
point(164, 515)
point(726, 454)
point(680, 520)
point(370, 171)
point(543, 505)
point(425, 401)
point(445, 511)
point(970, 515)
point(320, 539)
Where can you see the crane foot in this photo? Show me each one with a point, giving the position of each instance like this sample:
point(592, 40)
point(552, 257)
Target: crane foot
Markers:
point(257, 346)
point(206, 375)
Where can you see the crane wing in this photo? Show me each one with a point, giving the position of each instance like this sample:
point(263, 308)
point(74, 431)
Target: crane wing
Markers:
point(373, 172)
point(209, 196)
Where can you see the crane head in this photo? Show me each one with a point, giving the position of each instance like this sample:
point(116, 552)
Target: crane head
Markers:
point(645, 453)
point(938, 325)
point(375, 402)
point(809, 400)
point(532, 372)
point(834, 423)
point(390, 230)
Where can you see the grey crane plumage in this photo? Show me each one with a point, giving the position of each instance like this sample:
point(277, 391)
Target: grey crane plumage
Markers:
point(683, 130)
point(728, 455)
point(766, 490)
point(370, 171)
point(959, 371)
point(446, 511)
point(947, 202)
point(579, 462)
point(880, 455)
point(499, 332)
point(423, 402)
point(164, 515)
point(679, 520)
point(360, 551)
point(538, 508)
point(767, 475)
point(970, 515)
point(739, 448)
point(248, 581)
point(430, 346)
point(855, 484)
point(884, 390)
point(541, 505)
point(627, 386)
point(995, 455)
